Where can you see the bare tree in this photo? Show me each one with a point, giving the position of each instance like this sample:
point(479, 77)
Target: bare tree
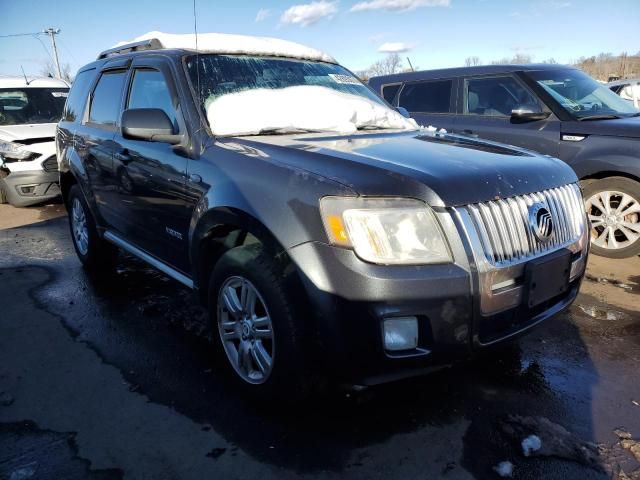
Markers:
point(518, 58)
point(48, 69)
point(390, 64)
point(471, 61)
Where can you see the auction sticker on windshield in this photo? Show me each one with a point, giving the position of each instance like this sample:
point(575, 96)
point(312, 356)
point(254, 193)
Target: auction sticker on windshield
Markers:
point(344, 79)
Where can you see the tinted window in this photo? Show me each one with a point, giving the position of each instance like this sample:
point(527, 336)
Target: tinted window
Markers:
point(497, 96)
point(389, 92)
point(427, 97)
point(105, 104)
point(77, 100)
point(149, 90)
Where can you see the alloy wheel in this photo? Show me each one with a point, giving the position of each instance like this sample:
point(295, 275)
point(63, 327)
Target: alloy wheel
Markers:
point(615, 219)
point(246, 330)
point(79, 227)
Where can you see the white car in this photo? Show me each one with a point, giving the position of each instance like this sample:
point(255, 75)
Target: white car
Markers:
point(629, 89)
point(29, 112)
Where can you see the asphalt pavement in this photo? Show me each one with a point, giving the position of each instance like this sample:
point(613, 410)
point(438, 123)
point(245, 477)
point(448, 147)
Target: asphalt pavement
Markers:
point(111, 376)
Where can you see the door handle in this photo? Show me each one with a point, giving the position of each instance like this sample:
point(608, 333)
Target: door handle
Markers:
point(123, 157)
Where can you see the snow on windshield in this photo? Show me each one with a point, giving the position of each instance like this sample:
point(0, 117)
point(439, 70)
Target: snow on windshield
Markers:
point(301, 107)
point(235, 44)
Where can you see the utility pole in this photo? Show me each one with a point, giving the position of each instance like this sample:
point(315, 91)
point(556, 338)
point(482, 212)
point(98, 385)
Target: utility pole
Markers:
point(52, 32)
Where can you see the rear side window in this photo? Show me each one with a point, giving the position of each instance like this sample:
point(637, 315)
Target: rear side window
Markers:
point(389, 92)
point(105, 104)
point(77, 100)
point(497, 96)
point(427, 97)
point(149, 90)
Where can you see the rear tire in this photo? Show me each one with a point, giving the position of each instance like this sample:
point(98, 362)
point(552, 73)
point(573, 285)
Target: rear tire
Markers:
point(254, 327)
point(94, 252)
point(3, 194)
point(613, 207)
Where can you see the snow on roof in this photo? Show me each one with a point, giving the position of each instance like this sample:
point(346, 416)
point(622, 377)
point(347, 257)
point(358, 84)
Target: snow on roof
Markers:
point(235, 44)
point(300, 107)
point(18, 81)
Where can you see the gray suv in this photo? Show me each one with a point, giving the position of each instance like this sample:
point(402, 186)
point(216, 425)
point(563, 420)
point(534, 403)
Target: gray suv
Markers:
point(551, 109)
point(329, 236)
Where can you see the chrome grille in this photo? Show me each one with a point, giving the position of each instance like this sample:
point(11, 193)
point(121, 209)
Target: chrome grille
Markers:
point(505, 231)
point(50, 164)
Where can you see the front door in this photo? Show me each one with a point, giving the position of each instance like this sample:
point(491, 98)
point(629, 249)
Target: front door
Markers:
point(151, 176)
point(487, 103)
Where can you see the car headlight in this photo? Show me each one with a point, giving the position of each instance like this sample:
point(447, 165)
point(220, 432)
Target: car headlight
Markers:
point(387, 231)
point(14, 151)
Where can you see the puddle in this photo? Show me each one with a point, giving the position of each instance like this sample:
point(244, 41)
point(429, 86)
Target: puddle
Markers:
point(600, 313)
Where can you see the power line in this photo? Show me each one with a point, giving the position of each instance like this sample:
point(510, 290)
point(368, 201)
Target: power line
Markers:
point(21, 34)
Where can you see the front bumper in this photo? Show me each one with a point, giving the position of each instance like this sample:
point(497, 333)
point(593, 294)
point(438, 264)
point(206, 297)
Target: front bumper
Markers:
point(24, 188)
point(456, 315)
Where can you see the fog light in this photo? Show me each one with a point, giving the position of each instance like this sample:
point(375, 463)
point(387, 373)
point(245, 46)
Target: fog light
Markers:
point(400, 333)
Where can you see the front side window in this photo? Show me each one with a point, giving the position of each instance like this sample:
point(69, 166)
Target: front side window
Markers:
point(22, 106)
point(149, 90)
point(581, 96)
point(427, 97)
point(497, 96)
point(105, 103)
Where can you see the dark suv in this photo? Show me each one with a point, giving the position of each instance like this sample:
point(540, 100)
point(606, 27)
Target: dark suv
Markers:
point(326, 232)
point(552, 109)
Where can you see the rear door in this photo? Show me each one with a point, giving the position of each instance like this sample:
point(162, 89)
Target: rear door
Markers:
point(430, 102)
point(485, 112)
point(94, 142)
point(151, 176)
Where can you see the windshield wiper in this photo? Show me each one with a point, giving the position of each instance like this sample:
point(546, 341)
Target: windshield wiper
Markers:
point(598, 117)
point(285, 131)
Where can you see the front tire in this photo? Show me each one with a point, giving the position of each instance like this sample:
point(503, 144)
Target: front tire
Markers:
point(613, 208)
point(255, 330)
point(94, 252)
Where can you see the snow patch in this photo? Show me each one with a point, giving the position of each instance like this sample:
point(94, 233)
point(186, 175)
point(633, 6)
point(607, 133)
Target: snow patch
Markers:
point(301, 107)
point(226, 43)
point(531, 444)
point(504, 469)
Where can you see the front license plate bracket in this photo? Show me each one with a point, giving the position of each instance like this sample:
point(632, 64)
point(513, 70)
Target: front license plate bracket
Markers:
point(547, 277)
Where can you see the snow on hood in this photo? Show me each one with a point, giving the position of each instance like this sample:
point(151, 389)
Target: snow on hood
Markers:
point(235, 44)
point(304, 107)
point(16, 133)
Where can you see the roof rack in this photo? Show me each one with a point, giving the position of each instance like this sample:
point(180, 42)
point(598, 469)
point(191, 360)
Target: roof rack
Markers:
point(150, 44)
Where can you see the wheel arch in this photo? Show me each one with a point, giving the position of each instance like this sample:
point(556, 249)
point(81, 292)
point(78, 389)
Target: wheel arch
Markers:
point(221, 229)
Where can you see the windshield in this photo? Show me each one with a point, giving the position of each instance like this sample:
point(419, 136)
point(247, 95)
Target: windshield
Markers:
point(254, 95)
point(31, 105)
point(581, 95)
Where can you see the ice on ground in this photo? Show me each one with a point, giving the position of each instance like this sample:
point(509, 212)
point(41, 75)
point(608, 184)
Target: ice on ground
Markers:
point(300, 107)
point(531, 444)
point(235, 44)
point(504, 469)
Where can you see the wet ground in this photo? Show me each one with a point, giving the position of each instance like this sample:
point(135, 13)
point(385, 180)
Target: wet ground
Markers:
point(113, 377)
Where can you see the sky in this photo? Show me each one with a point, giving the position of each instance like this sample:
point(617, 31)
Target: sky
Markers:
point(432, 33)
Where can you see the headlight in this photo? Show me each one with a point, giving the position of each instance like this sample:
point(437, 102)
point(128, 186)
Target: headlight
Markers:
point(13, 151)
point(387, 231)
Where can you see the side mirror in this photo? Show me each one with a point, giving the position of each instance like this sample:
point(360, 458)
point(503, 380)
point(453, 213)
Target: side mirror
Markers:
point(403, 111)
point(151, 124)
point(528, 113)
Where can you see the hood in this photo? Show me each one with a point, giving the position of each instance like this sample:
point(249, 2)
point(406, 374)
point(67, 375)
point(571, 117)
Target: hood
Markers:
point(19, 133)
point(618, 127)
point(444, 170)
